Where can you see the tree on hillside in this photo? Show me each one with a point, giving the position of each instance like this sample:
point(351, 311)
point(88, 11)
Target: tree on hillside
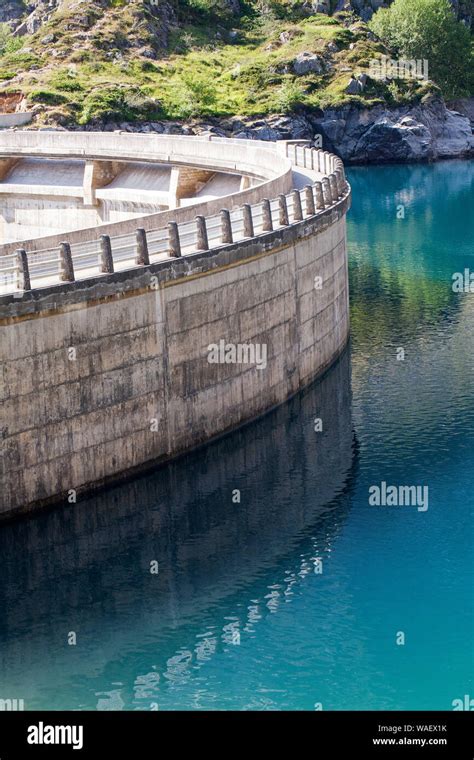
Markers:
point(428, 29)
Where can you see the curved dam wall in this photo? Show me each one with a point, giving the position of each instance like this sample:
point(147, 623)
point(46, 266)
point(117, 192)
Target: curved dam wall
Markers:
point(106, 375)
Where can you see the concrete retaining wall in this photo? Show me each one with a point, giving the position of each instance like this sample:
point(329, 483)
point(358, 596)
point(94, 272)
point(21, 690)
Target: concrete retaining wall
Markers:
point(17, 119)
point(102, 376)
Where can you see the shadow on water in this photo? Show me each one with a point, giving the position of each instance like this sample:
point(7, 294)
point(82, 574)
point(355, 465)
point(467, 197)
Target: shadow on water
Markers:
point(86, 568)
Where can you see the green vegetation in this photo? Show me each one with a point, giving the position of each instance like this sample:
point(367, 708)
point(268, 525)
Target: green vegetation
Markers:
point(118, 104)
point(289, 97)
point(8, 43)
point(428, 29)
point(117, 61)
point(48, 97)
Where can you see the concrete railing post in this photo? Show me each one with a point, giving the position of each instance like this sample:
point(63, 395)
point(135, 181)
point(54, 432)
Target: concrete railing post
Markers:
point(24, 282)
point(326, 191)
point(142, 257)
point(174, 243)
point(248, 221)
point(318, 190)
point(340, 166)
point(226, 227)
point(297, 210)
point(282, 211)
point(267, 221)
point(66, 266)
point(339, 182)
point(309, 200)
point(202, 243)
point(334, 189)
point(106, 259)
point(327, 162)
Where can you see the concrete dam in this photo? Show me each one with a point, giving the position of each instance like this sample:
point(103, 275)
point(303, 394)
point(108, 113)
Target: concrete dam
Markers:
point(156, 292)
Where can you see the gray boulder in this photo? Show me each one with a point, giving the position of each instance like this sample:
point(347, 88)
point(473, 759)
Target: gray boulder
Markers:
point(321, 6)
point(464, 106)
point(354, 87)
point(306, 63)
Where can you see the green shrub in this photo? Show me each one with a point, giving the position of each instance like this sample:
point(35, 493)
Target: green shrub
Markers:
point(428, 29)
point(66, 82)
point(193, 96)
point(6, 74)
point(207, 10)
point(9, 43)
point(22, 61)
point(118, 103)
point(289, 96)
point(47, 97)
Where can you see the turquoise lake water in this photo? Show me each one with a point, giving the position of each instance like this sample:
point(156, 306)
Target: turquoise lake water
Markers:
point(239, 615)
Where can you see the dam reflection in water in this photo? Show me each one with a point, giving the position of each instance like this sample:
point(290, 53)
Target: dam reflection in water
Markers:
point(223, 564)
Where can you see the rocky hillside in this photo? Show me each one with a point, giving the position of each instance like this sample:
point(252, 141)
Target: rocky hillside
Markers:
point(34, 13)
point(266, 68)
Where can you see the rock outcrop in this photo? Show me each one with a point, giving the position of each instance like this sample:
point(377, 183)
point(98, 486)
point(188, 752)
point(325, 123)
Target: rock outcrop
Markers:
point(464, 106)
point(427, 131)
point(39, 13)
point(11, 11)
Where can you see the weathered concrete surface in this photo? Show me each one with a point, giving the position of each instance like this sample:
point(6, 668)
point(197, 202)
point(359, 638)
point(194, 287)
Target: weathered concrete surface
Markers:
point(105, 375)
point(19, 119)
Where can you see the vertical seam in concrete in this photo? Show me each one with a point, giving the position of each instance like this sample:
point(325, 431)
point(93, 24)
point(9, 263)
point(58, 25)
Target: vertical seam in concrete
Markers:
point(297, 309)
point(160, 302)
